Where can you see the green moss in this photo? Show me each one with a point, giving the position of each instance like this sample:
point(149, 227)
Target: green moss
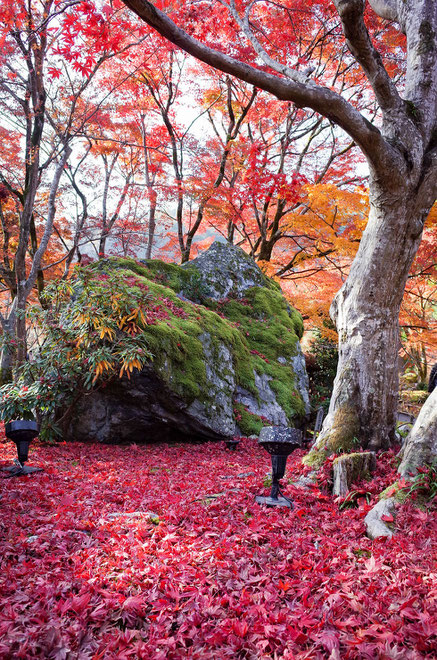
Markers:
point(342, 437)
point(258, 330)
point(270, 328)
point(414, 396)
point(315, 458)
point(248, 423)
point(395, 491)
point(345, 428)
point(180, 280)
point(358, 465)
point(355, 457)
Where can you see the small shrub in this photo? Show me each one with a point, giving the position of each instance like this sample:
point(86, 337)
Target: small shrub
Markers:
point(424, 483)
point(89, 332)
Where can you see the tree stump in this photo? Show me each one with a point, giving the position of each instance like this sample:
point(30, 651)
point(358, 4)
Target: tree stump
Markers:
point(351, 467)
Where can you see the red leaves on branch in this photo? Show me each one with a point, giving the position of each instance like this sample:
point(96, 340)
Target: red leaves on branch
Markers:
point(160, 551)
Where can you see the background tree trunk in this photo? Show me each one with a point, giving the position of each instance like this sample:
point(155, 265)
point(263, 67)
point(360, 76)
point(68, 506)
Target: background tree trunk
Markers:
point(8, 352)
point(420, 447)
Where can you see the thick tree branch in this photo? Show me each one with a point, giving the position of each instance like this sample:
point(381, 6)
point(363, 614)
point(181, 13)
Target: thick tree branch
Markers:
point(421, 75)
point(351, 13)
point(383, 157)
point(385, 9)
point(283, 69)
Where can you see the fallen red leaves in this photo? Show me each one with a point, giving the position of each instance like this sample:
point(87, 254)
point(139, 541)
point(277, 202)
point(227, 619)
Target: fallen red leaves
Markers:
point(199, 570)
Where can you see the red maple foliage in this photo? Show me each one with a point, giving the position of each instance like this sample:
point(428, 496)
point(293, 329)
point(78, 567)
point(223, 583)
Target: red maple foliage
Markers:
point(199, 570)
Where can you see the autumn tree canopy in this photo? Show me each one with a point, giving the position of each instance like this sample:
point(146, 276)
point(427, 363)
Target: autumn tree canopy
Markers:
point(400, 150)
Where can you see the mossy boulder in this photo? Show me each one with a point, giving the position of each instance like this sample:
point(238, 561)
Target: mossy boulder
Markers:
point(227, 358)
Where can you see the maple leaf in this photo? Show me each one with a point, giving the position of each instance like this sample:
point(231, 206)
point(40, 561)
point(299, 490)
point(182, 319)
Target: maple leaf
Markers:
point(387, 517)
point(240, 628)
point(133, 603)
point(54, 72)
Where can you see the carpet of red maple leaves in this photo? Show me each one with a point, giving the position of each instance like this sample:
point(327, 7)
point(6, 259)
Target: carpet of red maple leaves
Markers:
point(210, 574)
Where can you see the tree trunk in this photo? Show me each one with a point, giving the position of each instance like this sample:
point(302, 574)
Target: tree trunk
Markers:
point(421, 444)
point(266, 249)
point(152, 222)
point(102, 244)
point(8, 350)
point(20, 325)
point(366, 313)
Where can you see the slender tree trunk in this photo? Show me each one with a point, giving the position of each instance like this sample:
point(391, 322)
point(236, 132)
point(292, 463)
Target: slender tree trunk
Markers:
point(6, 365)
point(265, 252)
point(366, 313)
point(8, 352)
point(20, 324)
point(152, 222)
point(102, 244)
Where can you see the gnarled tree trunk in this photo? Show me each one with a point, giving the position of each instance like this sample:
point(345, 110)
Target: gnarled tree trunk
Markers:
point(366, 313)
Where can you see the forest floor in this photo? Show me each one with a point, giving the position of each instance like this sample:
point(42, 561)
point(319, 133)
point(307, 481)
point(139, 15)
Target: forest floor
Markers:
point(199, 570)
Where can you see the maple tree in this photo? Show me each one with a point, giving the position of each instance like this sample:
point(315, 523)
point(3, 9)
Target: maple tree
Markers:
point(165, 79)
point(50, 59)
point(104, 182)
point(401, 157)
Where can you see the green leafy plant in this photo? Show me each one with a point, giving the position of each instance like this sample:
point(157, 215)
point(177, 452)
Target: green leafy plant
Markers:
point(352, 499)
point(89, 332)
point(424, 483)
point(267, 481)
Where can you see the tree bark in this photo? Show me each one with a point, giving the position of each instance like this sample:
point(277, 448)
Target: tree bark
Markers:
point(420, 447)
point(152, 221)
point(366, 314)
point(8, 350)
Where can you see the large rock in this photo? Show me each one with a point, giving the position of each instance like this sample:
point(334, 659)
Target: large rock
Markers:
point(227, 359)
point(377, 520)
point(226, 270)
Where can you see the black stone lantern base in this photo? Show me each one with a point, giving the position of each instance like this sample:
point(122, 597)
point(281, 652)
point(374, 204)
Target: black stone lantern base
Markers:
point(232, 443)
point(274, 501)
point(18, 470)
point(279, 441)
point(22, 432)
